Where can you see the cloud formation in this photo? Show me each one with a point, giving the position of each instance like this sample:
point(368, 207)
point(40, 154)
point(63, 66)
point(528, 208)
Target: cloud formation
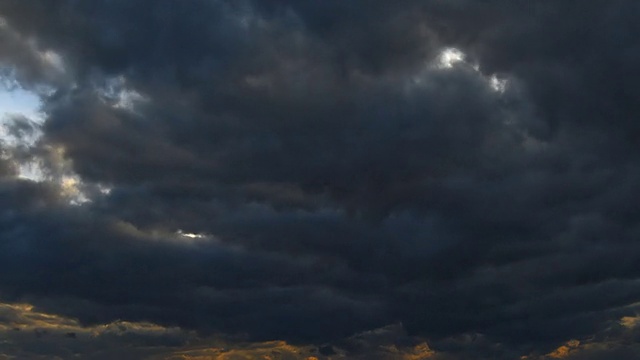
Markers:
point(302, 172)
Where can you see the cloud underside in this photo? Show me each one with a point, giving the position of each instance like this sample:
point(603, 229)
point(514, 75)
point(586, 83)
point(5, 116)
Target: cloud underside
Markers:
point(29, 333)
point(296, 177)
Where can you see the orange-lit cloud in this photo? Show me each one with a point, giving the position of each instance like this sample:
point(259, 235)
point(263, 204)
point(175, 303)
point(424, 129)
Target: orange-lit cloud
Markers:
point(30, 333)
point(27, 333)
point(618, 341)
point(630, 322)
point(564, 350)
point(266, 350)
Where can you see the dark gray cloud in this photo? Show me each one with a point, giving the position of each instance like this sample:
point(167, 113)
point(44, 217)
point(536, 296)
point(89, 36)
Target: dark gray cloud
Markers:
point(305, 171)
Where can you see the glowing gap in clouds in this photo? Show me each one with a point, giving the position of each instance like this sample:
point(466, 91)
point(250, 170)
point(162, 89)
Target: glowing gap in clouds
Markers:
point(20, 102)
point(449, 56)
point(191, 235)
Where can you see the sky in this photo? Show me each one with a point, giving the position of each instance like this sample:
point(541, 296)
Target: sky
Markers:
point(19, 101)
point(319, 180)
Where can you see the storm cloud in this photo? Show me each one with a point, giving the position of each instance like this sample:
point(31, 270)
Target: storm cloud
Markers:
point(310, 172)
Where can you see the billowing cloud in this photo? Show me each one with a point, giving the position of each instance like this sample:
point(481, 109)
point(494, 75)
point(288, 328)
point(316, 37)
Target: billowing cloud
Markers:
point(292, 173)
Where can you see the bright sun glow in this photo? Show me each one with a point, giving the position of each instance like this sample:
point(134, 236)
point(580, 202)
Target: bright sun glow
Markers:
point(191, 235)
point(449, 56)
point(499, 85)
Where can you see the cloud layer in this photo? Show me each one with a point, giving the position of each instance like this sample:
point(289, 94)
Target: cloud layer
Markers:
point(304, 171)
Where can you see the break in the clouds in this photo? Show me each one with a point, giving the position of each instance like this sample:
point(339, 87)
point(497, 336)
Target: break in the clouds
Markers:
point(447, 179)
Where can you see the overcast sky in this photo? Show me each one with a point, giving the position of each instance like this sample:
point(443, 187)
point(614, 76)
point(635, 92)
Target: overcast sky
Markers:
point(304, 179)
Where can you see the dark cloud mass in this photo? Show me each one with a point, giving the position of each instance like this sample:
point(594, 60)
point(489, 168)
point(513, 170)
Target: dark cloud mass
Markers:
point(304, 171)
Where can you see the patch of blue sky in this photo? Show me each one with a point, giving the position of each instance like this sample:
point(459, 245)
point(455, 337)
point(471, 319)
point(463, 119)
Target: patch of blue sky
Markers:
point(19, 101)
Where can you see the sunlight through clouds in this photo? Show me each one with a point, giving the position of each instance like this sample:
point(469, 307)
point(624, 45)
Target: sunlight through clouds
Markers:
point(449, 57)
